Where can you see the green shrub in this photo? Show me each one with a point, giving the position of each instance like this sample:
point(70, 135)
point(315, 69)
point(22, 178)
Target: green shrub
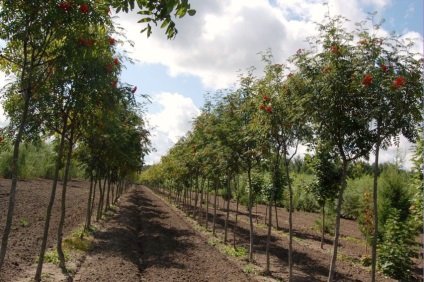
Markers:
point(394, 193)
point(353, 196)
point(397, 247)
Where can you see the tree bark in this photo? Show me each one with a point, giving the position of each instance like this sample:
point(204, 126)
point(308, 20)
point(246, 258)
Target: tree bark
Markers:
point(337, 227)
point(249, 177)
point(375, 209)
point(50, 207)
point(61, 255)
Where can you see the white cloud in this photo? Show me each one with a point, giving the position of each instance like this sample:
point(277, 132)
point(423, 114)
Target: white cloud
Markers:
point(225, 36)
point(171, 123)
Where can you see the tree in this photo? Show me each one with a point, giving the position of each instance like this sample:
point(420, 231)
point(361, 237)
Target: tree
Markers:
point(392, 82)
point(34, 34)
point(328, 174)
point(333, 101)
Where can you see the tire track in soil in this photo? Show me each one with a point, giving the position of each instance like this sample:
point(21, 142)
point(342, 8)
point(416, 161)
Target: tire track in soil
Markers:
point(148, 241)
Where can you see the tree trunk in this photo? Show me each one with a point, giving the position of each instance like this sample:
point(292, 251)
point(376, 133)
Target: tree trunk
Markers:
point(15, 159)
point(87, 225)
point(323, 226)
point(268, 239)
point(228, 209)
point(108, 191)
point(337, 228)
point(276, 214)
point(12, 193)
point(375, 209)
point(237, 212)
point(199, 218)
point(207, 206)
point(249, 177)
point(286, 165)
point(60, 253)
point(214, 208)
point(50, 207)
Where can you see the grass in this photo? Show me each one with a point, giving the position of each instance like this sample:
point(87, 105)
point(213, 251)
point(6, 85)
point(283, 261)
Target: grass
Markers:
point(23, 222)
point(251, 269)
point(71, 244)
point(238, 252)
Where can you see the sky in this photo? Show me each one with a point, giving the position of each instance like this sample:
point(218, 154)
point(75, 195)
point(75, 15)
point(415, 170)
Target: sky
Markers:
point(226, 37)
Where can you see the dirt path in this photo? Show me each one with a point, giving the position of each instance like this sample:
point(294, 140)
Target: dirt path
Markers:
point(148, 240)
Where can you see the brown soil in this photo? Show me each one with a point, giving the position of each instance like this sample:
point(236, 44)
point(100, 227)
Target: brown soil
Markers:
point(148, 239)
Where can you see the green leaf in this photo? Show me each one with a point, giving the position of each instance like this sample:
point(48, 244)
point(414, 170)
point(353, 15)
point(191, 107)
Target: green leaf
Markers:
point(165, 23)
point(191, 12)
point(145, 20)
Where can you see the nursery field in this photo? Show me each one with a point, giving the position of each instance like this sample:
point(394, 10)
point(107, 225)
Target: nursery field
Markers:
point(147, 238)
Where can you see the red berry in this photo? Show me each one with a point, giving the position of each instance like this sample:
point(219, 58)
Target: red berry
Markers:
point(84, 8)
point(269, 109)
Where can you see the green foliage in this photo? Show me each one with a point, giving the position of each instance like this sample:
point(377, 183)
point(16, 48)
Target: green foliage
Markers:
point(35, 161)
point(23, 222)
point(353, 195)
point(303, 200)
point(366, 217)
point(397, 247)
point(394, 193)
point(155, 12)
point(238, 252)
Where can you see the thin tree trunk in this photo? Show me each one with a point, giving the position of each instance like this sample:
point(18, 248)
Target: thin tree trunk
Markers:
point(266, 213)
point(50, 207)
point(12, 193)
point(228, 209)
point(237, 212)
point(207, 205)
point(87, 225)
point(15, 160)
point(268, 240)
point(214, 208)
point(276, 214)
point(375, 209)
point(337, 228)
point(249, 177)
point(196, 196)
point(108, 192)
point(93, 201)
point(199, 218)
point(323, 226)
point(60, 253)
point(286, 165)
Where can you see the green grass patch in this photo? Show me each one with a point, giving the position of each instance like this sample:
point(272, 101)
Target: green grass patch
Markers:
point(251, 269)
point(23, 222)
point(53, 257)
point(238, 252)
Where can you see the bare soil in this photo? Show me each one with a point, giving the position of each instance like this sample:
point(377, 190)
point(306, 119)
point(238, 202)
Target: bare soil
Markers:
point(149, 239)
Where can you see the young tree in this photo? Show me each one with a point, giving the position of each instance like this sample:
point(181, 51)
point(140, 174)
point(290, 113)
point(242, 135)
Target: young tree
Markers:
point(328, 175)
point(392, 82)
point(333, 100)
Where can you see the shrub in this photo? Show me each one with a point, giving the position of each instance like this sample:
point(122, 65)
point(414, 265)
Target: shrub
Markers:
point(397, 247)
point(394, 193)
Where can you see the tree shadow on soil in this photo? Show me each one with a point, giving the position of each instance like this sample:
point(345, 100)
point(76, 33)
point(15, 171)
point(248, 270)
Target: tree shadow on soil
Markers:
point(310, 268)
point(138, 235)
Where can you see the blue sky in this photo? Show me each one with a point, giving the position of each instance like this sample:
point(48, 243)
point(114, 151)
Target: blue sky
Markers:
point(225, 36)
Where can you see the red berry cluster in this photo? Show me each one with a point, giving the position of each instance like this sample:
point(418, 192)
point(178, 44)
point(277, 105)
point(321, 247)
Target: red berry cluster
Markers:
point(267, 108)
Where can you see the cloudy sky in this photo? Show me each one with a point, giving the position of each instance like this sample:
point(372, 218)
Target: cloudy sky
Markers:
point(224, 37)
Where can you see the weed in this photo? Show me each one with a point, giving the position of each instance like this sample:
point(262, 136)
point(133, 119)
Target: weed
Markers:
point(251, 269)
point(114, 208)
point(214, 241)
point(238, 252)
point(24, 222)
point(76, 243)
